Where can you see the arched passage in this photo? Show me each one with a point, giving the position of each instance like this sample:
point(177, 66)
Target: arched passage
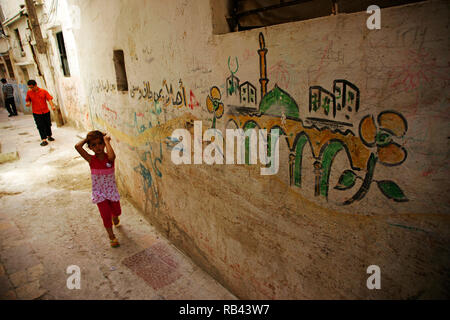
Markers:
point(328, 153)
point(301, 140)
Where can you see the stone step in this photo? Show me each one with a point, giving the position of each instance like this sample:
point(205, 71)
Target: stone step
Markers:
point(8, 152)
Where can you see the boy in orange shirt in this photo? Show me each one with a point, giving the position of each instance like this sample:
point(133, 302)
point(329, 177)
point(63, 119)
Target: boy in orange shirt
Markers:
point(38, 98)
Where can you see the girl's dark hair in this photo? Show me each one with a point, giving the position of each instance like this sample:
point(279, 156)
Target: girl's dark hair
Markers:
point(93, 135)
point(31, 82)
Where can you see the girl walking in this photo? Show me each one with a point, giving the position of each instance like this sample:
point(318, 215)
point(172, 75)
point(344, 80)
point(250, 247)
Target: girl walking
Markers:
point(104, 189)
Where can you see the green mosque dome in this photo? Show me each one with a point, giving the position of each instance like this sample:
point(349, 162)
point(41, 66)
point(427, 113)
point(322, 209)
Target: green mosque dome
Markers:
point(276, 101)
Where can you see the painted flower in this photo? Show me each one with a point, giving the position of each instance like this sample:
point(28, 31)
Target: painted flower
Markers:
point(214, 105)
point(390, 124)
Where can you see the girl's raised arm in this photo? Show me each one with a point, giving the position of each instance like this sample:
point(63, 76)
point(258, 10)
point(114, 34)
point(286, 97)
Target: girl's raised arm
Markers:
point(81, 151)
point(109, 150)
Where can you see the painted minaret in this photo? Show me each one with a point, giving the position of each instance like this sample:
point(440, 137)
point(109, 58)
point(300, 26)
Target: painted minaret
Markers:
point(262, 65)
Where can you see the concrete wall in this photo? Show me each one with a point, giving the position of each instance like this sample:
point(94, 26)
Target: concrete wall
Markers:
point(64, 17)
point(363, 174)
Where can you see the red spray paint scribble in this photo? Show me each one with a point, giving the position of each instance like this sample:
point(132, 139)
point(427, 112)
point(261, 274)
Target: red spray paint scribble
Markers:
point(248, 54)
point(193, 100)
point(325, 52)
point(108, 109)
point(419, 68)
point(280, 73)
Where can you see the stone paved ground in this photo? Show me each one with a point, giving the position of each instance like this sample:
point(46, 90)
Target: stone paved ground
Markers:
point(48, 223)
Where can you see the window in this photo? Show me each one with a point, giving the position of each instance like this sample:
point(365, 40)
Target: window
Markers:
point(3, 72)
point(9, 66)
point(121, 74)
point(26, 77)
point(249, 14)
point(63, 54)
point(16, 31)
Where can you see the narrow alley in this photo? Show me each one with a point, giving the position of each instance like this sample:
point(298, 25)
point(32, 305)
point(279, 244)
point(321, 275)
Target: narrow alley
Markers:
point(264, 150)
point(48, 223)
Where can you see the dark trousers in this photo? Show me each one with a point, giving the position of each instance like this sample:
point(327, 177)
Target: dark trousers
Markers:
point(43, 124)
point(10, 106)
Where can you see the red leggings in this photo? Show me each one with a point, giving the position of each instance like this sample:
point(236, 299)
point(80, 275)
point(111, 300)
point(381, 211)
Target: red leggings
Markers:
point(108, 209)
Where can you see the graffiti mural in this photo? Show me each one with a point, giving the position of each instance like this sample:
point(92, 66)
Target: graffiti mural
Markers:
point(71, 101)
point(22, 90)
point(214, 105)
point(165, 96)
point(104, 86)
point(146, 167)
point(327, 129)
point(143, 133)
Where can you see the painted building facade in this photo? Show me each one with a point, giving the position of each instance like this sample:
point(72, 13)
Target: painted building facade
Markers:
point(363, 151)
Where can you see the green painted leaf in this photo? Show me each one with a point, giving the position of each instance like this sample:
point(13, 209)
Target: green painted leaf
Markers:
point(346, 181)
point(391, 190)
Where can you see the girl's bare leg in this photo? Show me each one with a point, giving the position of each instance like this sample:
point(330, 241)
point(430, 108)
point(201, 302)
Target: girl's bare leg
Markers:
point(110, 233)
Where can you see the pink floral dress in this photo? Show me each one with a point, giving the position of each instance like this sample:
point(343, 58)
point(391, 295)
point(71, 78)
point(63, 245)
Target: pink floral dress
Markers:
point(103, 180)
